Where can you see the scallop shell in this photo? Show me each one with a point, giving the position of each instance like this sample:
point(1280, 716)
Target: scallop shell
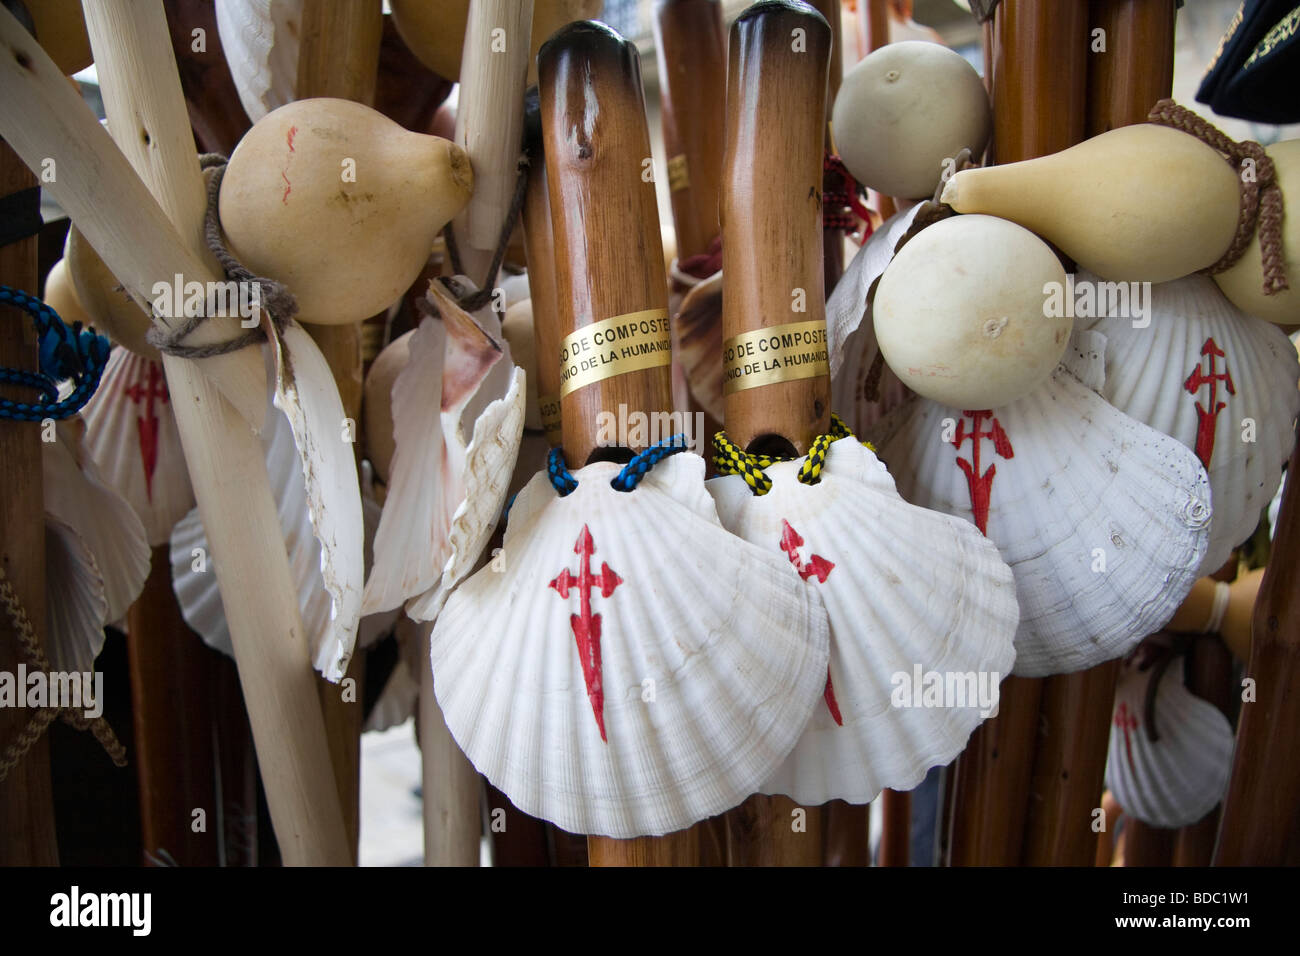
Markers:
point(1168, 376)
point(1103, 520)
point(1178, 778)
point(313, 476)
point(704, 657)
point(260, 41)
point(851, 334)
point(458, 414)
point(131, 434)
point(947, 606)
point(103, 559)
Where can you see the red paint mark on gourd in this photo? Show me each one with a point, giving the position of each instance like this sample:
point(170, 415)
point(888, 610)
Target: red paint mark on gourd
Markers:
point(284, 173)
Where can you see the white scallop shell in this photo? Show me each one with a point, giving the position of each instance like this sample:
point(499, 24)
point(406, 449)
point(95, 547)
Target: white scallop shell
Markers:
point(711, 656)
point(75, 607)
point(1103, 520)
point(851, 333)
point(131, 434)
point(319, 504)
point(904, 588)
point(103, 559)
point(458, 414)
point(1148, 371)
point(1181, 776)
point(260, 42)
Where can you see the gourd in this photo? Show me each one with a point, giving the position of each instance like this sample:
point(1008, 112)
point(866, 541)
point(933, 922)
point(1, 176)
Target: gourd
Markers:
point(340, 204)
point(435, 32)
point(961, 312)
point(61, 296)
point(1138, 203)
point(111, 310)
point(903, 110)
point(61, 31)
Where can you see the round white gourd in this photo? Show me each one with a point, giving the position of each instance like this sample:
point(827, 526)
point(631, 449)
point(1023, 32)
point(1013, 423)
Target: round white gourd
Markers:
point(902, 111)
point(961, 312)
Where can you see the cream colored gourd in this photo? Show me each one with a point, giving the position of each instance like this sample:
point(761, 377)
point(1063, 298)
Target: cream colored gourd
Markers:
point(1139, 203)
point(905, 109)
point(1243, 283)
point(435, 32)
point(340, 204)
point(960, 313)
point(103, 298)
point(517, 328)
point(61, 295)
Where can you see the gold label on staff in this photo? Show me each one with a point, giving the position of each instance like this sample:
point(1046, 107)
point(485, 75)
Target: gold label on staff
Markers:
point(625, 343)
point(679, 176)
point(782, 353)
point(550, 409)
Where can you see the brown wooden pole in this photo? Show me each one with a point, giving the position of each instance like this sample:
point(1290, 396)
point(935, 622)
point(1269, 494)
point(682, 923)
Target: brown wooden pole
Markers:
point(778, 56)
point(691, 49)
point(338, 56)
point(26, 799)
point(896, 832)
point(1039, 85)
point(1147, 845)
point(1260, 825)
point(1209, 677)
point(608, 263)
point(1129, 66)
point(833, 246)
point(540, 252)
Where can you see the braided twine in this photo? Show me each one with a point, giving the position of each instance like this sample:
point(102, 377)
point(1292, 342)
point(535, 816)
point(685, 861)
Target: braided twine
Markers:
point(730, 459)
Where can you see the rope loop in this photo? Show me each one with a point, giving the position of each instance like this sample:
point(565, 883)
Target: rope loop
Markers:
point(730, 459)
point(65, 352)
point(561, 480)
point(629, 476)
point(1261, 197)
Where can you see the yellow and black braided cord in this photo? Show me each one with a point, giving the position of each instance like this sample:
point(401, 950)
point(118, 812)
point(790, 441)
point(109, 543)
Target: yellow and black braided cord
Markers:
point(730, 459)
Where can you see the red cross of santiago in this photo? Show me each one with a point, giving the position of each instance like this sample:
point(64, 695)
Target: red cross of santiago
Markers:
point(980, 485)
point(1207, 414)
point(585, 624)
point(147, 424)
point(819, 568)
point(1127, 722)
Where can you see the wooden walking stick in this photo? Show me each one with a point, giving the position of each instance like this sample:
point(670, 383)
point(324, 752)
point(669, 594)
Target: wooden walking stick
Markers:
point(606, 243)
point(45, 118)
point(1133, 72)
point(26, 799)
point(1038, 87)
point(1259, 825)
point(776, 80)
point(338, 56)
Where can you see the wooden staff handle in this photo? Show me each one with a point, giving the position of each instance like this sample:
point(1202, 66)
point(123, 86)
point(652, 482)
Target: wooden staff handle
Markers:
point(772, 214)
point(489, 121)
point(226, 461)
point(540, 251)
point(605, 221)
point(691, 49)
point(45, 121)
point(608, 263)
point(1259, 825)
point(1123, 82)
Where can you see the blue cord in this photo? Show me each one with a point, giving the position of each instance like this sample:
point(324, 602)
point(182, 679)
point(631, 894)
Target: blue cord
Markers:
point(65, 352)
point(565, 484)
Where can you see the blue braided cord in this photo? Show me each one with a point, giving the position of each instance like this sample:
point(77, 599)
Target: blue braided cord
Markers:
point(65, 352)
point(563, 482)
point(643, 461)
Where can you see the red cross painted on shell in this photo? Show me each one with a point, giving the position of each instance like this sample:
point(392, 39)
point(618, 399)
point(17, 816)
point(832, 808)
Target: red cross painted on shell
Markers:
point(980, 484)
point(147, 424)
point(1207, 415)
point(1127, 722)
point(585, 624)
point(819, 568)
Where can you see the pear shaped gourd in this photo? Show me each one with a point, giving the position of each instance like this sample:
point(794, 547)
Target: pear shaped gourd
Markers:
point(961, 312)
point(435, 32)
point(903, 110)
point(1139, 203)
point(110, 309)
point(61, 296)
point(61, 30)
point(1243, 282)
point(340, 204)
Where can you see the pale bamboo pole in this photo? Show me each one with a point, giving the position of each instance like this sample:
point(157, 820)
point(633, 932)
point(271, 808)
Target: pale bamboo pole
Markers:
point(490, 122)
point(147, 113)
